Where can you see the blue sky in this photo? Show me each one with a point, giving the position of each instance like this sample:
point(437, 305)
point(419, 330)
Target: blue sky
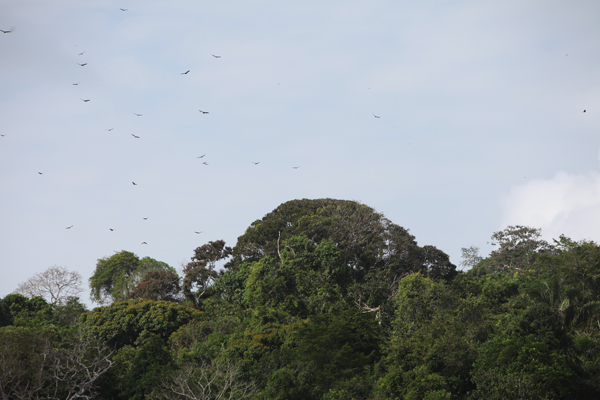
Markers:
point(480, 104)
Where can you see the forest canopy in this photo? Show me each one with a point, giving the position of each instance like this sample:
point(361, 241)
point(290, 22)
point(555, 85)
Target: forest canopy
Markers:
point(319, 299)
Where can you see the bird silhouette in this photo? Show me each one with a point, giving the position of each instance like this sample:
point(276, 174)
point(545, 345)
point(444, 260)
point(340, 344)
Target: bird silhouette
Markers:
point(137, 115)
point(137, 137)
point(584, 110)
point(84, 100)
point(201, 156)
point(75, 84)
point(296, 167)
point(2, 135)
point(185, 73)
point(123, 9)
point(216, 56)
point(146, 218)
point(198, 232)
point(255, 163)
point(69, 227)
point(376, 116)
point(144, 243)
point(108, 130)
point(134, 183)
point(41, 173)
point(80, 54)
point(82, 65)
point(5, 31)
point(111, 229)
point(205, 163)
point(203, 112)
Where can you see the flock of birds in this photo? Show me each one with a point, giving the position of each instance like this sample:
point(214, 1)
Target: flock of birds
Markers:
point(87, 100)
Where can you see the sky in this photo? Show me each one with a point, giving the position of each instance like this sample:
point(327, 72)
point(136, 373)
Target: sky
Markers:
point(455, 119)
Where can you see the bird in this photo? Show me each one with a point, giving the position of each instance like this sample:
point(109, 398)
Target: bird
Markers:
point(69, 227)
point(5, 31)
point(137, 137)
point(376, 116)
point(108, 130)
point(75, 84)
point(82, 65)
point(216, 56)
point(584, 110)
point(111, 229)
point(80, 54)
point(198, 232)
point(144, 243)
point(123, 9)
point(201, 156)
point(2, 135)
point(84, 100)
point(137, 115)
point(203, 112)
point(296, 167)
point(41, 173)
point(134, 183)
point(255, 163)
point(145, 218)
point(185, 73)
point(205, 163)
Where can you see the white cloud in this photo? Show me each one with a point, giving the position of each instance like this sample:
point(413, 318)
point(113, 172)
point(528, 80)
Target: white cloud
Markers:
point(566, 204)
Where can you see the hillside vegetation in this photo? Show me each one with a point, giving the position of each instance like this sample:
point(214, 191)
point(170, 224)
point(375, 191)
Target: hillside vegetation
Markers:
point(319, 299)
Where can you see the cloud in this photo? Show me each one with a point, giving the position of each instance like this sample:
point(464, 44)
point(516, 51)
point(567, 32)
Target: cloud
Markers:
point(566, 204)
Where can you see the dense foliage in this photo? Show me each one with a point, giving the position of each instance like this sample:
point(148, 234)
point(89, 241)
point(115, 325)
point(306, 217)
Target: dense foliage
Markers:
point(320, 299)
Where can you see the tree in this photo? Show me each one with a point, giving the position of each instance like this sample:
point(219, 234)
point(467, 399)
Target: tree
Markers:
point(158, 285)
point(110, 279)
point(57, 285)
point(519, 247)
point(199, 274)
point(470, 257)
point(212, 380)
point(115, 277)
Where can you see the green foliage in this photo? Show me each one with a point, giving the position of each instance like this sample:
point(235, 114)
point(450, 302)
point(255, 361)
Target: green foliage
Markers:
point(158, 285)
point(16, 309)
point(126, 322)
point(526, 359)
point(110, 281)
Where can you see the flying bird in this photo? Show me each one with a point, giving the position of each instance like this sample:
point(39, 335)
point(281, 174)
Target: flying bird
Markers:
point(108, 130)
point(82, 65)
point(201, 156)
point(41, 173)
point(144, 243)
point(198, 232)
point(296, 167)
point(5, 31)
point(145, 218)
point(84, 100)
point(137, 115)
point(376, 116)
point(205, 163)
point(81, 53)
point(134, 183)
point(69, 227)
point(75, 84)
point(123, 9)
point(584, 110)
point(2, 135)
point(255, 163)
point(185, 73)
point(216, 56)
point(111, 229)
point(203, 112)
point(137, 137)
